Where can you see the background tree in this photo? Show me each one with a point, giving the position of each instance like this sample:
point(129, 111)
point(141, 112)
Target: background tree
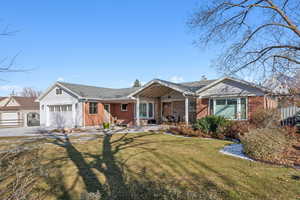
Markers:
point(259, 36)
point(137, 83)
point(30, 92)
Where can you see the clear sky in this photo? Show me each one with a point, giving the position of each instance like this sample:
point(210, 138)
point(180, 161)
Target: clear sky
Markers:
point(105, 43)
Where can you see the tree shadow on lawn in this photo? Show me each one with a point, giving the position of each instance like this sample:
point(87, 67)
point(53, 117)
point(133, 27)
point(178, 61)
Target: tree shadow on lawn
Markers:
point(105, 162)
point(120, 185)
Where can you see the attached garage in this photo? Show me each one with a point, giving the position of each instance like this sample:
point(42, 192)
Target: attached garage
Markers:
point(60, 116)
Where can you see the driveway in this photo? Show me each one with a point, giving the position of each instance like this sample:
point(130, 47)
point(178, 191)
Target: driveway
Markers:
point(42, 131)
point(24, 131)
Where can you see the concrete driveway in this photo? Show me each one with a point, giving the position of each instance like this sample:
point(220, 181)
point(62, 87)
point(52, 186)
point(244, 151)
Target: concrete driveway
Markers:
point(16, 132)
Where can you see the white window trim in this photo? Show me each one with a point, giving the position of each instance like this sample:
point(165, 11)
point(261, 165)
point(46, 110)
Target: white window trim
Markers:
point(60, 91)
point(122, 107)
point(147, 109)
point(107, 104)
point(238, 106)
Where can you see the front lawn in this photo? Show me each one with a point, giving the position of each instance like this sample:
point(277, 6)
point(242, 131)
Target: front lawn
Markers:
point(159, 163)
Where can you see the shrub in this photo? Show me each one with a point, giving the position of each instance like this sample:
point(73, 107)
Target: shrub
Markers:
point(106, 125)
point(267, 144)
point(186, 131)
point(213, 125)
point(235, 129)
point(263, 118)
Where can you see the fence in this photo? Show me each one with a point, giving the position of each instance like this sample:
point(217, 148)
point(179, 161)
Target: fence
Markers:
point(288, 115)
point(11, 123)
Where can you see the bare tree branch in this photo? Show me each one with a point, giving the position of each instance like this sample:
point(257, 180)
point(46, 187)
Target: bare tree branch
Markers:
point(255, 34)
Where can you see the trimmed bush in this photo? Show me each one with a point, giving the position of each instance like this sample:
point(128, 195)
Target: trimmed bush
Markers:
point(186, 131)
point(235, 129)
point(212, 125)
point(267, 144)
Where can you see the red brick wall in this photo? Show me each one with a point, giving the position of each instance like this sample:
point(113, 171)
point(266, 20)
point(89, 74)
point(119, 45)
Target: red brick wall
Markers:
point(202, 108)
point(127, 117)
point(254, 104)
point(93, 119)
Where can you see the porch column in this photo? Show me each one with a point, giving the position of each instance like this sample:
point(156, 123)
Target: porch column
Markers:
point(186, 110)
point(137, 111)
point(74, 115)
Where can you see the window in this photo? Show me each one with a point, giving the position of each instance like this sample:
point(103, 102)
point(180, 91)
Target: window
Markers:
point(146, 110)
point(93, 107)
point(124, 107)
point(51, 108)
point(64, 108)
point(58, 91)
point(107, 107)
point(231, 108)
point(57, 108)
point(243, 108)
point(42, 107)
point(60, 108)
point(150, 110)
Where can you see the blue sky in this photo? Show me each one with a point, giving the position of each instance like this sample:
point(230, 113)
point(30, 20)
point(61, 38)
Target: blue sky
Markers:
point(105, 43)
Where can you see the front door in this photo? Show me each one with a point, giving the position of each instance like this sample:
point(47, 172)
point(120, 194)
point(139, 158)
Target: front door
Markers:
point(167, 109)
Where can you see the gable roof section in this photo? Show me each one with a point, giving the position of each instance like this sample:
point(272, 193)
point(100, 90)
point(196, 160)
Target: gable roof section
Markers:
point(25, 103)
point(263, 89)
point(175, 86)
point(93, 92)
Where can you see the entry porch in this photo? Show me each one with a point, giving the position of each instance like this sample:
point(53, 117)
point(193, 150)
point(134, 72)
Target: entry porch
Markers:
point(160, 101)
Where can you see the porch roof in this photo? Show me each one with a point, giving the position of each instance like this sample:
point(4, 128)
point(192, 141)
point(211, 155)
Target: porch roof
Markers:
point(158, 87)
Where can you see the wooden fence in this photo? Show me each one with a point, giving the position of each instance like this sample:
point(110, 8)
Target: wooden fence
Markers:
point(289, 115)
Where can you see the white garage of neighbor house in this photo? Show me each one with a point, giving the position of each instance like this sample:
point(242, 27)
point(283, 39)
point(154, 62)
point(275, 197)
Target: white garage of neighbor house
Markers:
point(19, 112)
point(60, 108)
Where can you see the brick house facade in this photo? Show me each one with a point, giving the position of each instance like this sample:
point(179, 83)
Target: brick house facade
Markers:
point(156, 102)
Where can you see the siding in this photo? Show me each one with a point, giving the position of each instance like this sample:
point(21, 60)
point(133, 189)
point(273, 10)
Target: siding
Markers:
point(65, 98)
point(231, 88)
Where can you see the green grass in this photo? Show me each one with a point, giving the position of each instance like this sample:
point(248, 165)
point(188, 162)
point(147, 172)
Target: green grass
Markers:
point(191, 164)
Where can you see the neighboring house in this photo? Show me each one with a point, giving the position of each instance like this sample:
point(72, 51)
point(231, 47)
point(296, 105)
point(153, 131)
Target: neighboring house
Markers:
point(18, 111)
point(73, 105)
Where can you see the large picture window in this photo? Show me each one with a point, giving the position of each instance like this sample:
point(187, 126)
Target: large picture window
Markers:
point(230, 108)
point(146, 110)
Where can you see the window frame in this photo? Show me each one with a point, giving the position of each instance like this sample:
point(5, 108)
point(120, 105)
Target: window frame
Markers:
point(124, 110)
point(147, 110)
point(107, 104)
point(239, 106)
point(96, 108)
point(58, 91)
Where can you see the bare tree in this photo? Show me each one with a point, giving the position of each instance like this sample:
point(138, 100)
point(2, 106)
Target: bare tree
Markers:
point(30, 92)
point(7, 63)
point(260, 36)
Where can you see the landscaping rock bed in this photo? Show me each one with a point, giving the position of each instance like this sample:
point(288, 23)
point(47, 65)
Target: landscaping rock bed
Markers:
point(235, 150)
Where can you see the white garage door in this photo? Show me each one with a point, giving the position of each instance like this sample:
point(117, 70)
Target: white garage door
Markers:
point(9, 119)
point(60, 116)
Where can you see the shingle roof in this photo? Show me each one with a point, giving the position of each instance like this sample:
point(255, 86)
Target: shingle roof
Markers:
point(187, 86)
point(26, 103)
point(87, 91)
point(196, 85)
